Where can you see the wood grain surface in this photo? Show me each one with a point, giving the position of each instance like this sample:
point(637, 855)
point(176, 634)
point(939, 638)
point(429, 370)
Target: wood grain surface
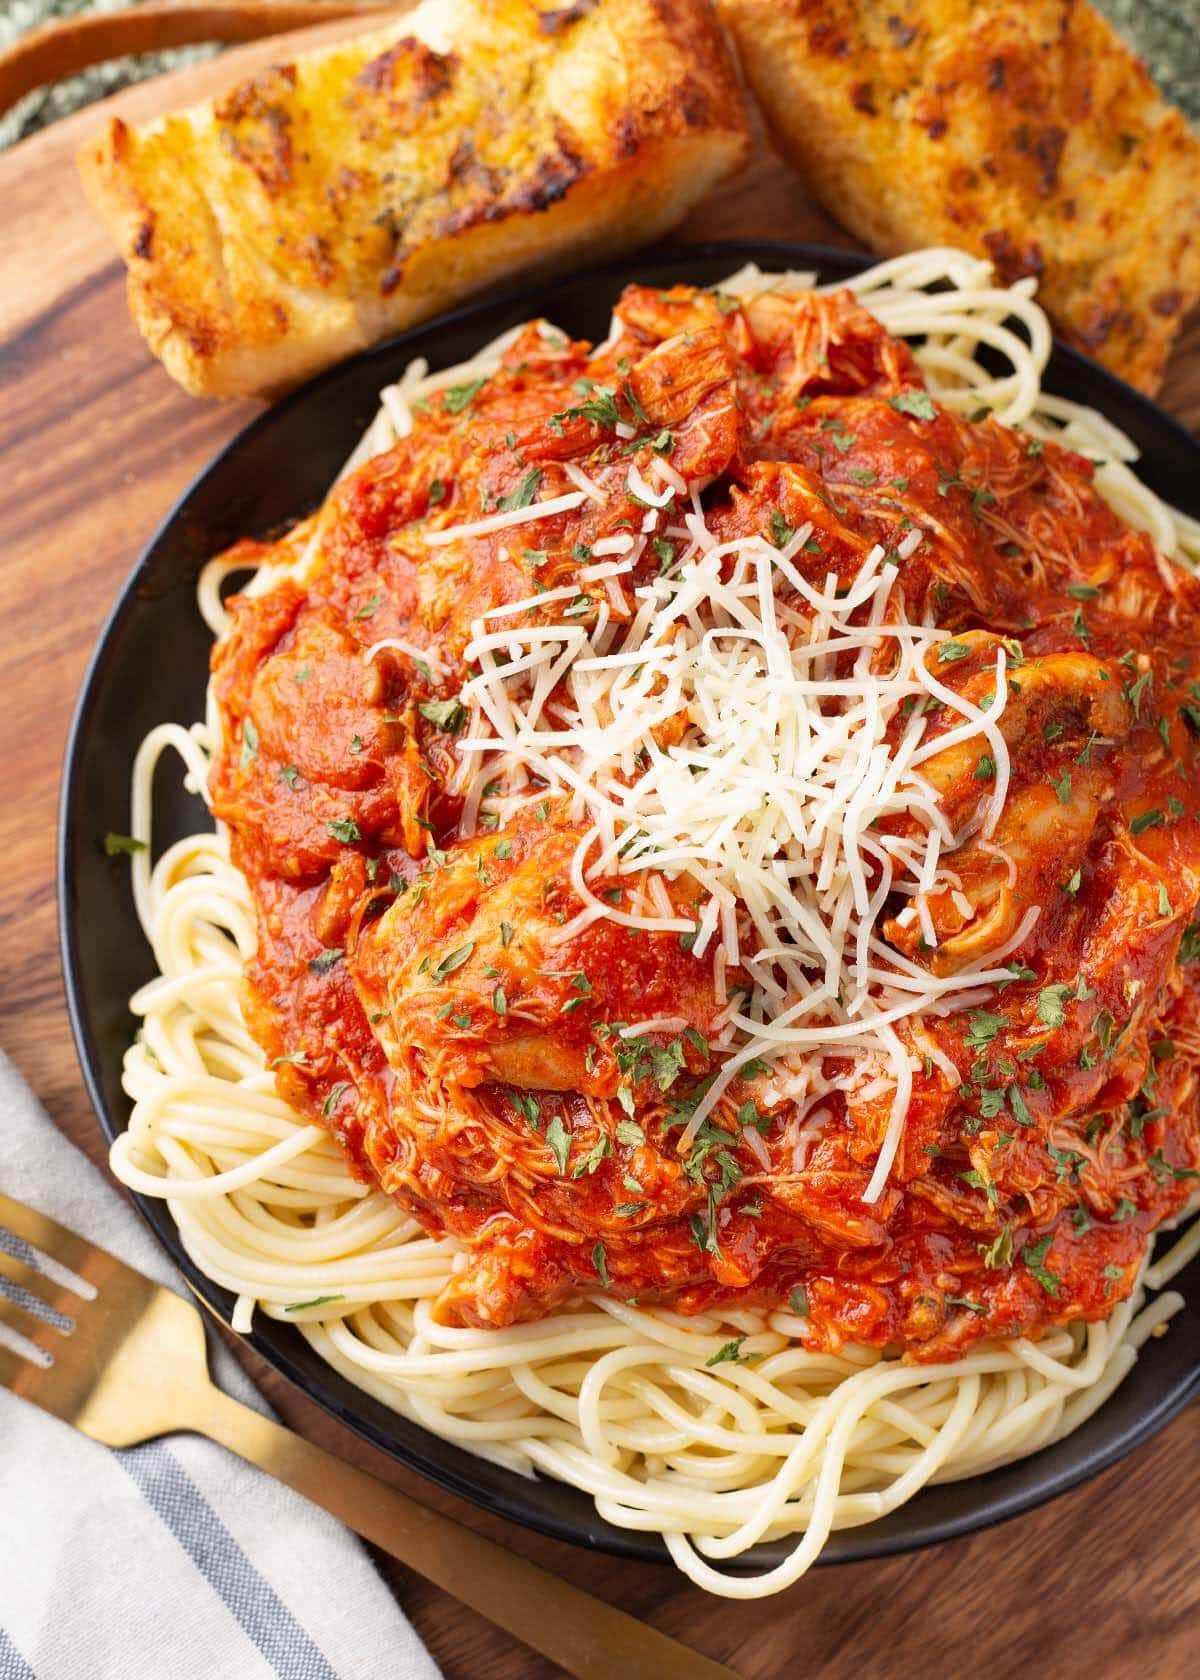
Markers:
point(97, 442)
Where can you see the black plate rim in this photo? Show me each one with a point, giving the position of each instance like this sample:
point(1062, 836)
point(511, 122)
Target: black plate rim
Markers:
point(518, 1502)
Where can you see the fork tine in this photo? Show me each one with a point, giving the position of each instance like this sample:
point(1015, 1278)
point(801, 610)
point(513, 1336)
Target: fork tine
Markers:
point(18, 1374)
point(40, 1231)
point(48, 1295)
point(48, 1337)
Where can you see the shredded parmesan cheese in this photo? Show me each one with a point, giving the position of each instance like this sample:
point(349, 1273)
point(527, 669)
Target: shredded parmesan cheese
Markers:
point(501, 521)
point(801, 738)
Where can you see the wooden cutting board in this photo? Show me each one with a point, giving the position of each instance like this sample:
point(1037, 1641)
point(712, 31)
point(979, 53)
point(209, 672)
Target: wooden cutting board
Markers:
point(96, 444)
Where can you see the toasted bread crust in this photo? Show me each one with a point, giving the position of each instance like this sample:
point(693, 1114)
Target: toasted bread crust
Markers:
point(325, 202)
point(1028, 133)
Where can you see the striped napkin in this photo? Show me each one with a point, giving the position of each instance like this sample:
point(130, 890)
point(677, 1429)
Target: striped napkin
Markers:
point(174, 1560)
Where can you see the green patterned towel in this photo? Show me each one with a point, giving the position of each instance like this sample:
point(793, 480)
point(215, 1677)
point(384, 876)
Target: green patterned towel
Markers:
point(1165, 32)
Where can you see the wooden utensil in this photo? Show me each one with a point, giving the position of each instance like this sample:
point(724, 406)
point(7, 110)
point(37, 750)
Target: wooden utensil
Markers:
point(60, 49)
point(127, 1362)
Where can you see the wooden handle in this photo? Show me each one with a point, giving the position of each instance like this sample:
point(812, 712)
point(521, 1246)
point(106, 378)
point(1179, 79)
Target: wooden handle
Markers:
point(60, 49)
point(582, 1634)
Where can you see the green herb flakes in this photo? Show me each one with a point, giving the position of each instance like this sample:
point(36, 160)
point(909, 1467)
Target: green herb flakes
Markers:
point(917, 403)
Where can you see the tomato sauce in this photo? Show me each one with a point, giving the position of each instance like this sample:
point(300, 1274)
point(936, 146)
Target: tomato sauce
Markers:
point(413, 987)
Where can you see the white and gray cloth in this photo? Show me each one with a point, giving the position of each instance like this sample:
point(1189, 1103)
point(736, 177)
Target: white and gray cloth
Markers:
point(173, 1560)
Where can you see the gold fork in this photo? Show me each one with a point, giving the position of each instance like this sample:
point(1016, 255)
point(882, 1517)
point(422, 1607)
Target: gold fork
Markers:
point(130, 1363)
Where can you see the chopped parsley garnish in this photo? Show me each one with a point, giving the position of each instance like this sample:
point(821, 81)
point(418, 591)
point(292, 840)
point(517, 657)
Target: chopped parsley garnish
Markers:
point(1135, 692)
point(1051, 1000)
point(118, 845)
point(523, 495)
point(1033, 1255)
point(454, 961)
point(600, 1261)
point(1163, 1170)
point(1146, 819)
point(526, 1104)
point(948, 652)
point(559, 1142)
point(976, 1180)
point(631, 397)
point(325, 960)
point(600, 408)
point(976, 1307)
point(730, 1354)
point(345, 829)
point(638, 1059)
point(457, 397)
point(317, 1301)
point(917, 403)
point(1017, 1104)
point(334, 1097)
point(999, 1252)
point(437, 491)
point(590, 1163)
point(983, 1028)
point(781, 532)
point(1067, 1162)
point(448, 715)
point(665, 551)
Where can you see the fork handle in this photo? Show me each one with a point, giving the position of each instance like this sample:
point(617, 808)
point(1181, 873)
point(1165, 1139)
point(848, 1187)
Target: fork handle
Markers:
point(581, 1633)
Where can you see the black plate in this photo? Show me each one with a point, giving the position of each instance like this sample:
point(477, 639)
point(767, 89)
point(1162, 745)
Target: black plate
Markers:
point(151, 663)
